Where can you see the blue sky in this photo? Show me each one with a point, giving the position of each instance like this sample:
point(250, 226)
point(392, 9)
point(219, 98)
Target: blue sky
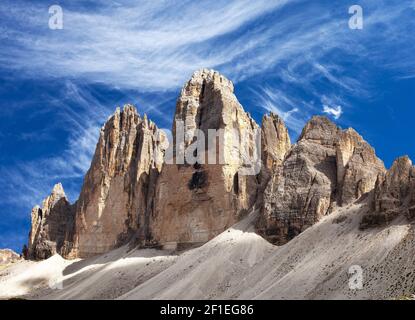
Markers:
point(296, 58)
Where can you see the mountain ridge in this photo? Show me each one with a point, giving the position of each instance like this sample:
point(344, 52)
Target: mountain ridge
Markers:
point(130, 195)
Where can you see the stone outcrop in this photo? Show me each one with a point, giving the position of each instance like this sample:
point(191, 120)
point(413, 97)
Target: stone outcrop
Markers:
point(326, 167)
point(394, 195)
point(357, 167)
point(8, 256)
point(275, 144)
point(118, 189)
point(197, 200)
point(275, 141)
point(146, 191)
point(52, 226)
point(302, 190)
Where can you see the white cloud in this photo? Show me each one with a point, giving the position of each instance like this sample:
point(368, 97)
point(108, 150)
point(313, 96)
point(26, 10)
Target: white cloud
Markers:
point(28, 182)
point(273, 100)
point(156, 45)
point(336, 111)
point(149, 44)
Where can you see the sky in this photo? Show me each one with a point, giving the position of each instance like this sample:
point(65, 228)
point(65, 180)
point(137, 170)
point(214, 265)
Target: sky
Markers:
point(295, 58)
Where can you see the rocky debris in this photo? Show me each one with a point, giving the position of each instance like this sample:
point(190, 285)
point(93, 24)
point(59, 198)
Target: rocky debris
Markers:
point(196, 201)
point(52, 226)
point(118, 189)
point(326, 167)
point(8, 256)
point(394, 195)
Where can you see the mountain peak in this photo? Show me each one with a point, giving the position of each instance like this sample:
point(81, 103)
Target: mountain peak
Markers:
point(200, 77)
point(131, 192)
point(320, 129)
point(401, 162)
point(58, 191)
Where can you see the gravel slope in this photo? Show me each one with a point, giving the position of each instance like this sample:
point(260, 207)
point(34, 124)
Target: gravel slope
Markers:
point(238, 264)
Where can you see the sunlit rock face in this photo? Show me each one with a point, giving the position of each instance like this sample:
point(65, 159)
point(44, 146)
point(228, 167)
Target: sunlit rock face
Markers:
point(195, 201)
point(394, 195)
point(326, 167)
point(8, 256)
point(115, 199)
point(52, 226)
point(275, 141)
point(146, 191)
point(357, 167)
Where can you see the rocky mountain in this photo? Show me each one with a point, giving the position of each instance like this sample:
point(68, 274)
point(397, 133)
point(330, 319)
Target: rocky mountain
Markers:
point(8, 256)
point(394, 195)
point(327, 167)
point(52, 226)
point(146, 191)
point(207, 193)
point(118, 190)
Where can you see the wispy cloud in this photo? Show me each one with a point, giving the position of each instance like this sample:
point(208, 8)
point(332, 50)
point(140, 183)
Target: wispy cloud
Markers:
point(146, 44)
point(80, 114)
point(299, 56)
point(276, 101)
point(336, 111)
point(156, 45)
point(28, 182)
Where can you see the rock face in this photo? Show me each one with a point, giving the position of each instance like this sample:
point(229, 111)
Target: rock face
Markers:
point(300, 192)
point(357, 166)
point(326, 167)
point(275, 141)
point(394, 194)
point(197, 200)
point(52, 226)
point(8, 256)
point(118, 189)
point(141, 191)
point(275, 144)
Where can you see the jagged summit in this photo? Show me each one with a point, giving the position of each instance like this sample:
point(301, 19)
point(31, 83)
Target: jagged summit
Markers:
point(8, 256)
point(57, 193)
point(208, 75)
point(275, 140)
point(394, 194)
point(52, 226)
point(196, 201)
point(58, 190)
point(320, 129)
point(132, 195)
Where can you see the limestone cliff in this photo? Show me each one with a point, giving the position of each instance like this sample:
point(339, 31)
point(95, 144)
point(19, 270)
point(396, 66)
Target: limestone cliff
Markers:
point(357, 166)
point(394, 195)
point(197, 200)
point(142, 190)
point(52, 226)
point(8, 256)
point(326, 167)
point(275, 141)
point(118, 189)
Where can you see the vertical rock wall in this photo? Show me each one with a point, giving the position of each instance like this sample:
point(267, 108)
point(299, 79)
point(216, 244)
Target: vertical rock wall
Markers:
point(114, 202)
point(196, 201)
point(136, 190)
point(52, 226)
